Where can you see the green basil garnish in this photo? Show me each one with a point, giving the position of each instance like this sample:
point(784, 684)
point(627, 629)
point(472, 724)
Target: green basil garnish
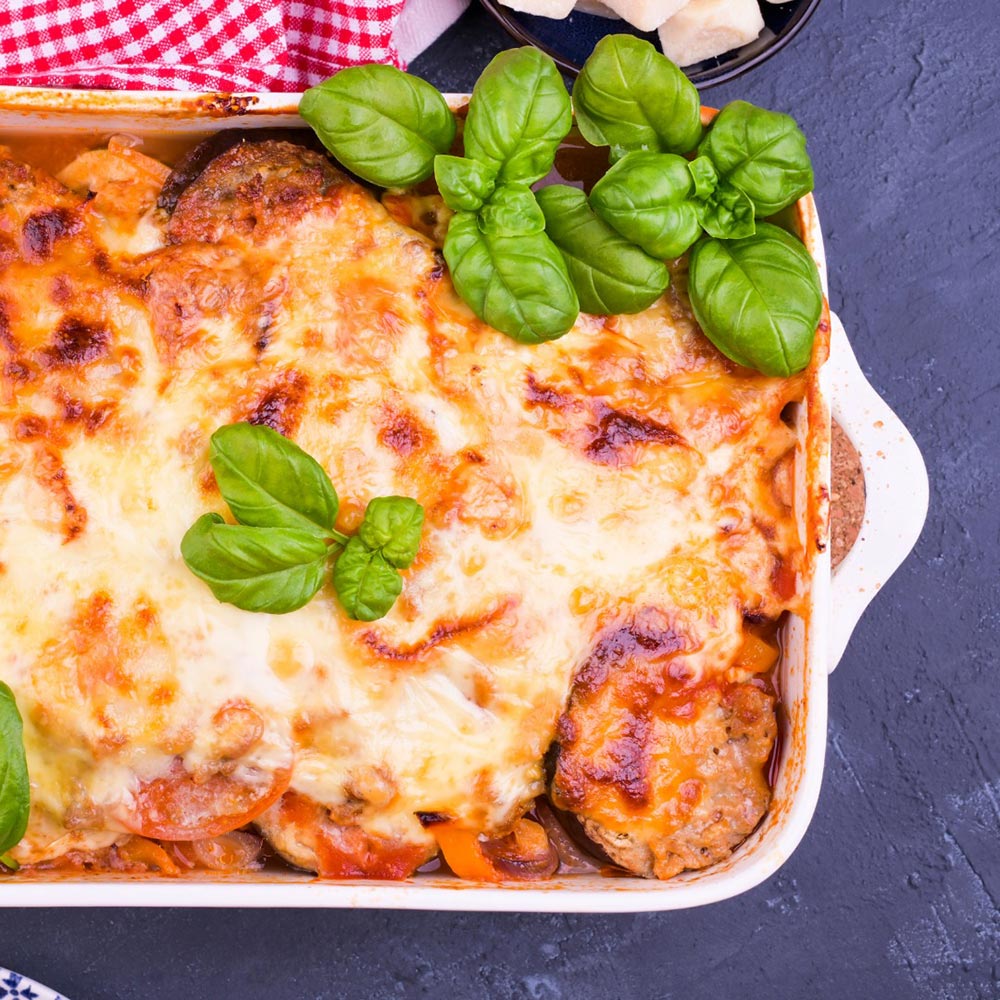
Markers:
point(761, 152)
point(727, 212)
point(367, 584)
point(647, 197)
point(526, 262)
point(464, 184)
point(381, 123)
point(392, 526)
point(366, 575)
point(15, 790)
point(757, 299)
point(275, 559)
point(611, 274)
point(270, 482)
point(511, 211)
point(517, 284)
point(630, 97)
point(703, 175)
point(519, 113)
point(276, 570)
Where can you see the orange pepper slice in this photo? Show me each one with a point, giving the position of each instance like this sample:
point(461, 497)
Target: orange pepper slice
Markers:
point(463, 851)
point(757, 655)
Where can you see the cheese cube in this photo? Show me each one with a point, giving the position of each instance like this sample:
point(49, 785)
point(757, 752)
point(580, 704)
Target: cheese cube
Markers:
point(545, 8)
point(646, 15)
point(704, 29)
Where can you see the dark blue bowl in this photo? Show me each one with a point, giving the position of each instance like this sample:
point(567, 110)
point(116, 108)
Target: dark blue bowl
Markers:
point(572, 39)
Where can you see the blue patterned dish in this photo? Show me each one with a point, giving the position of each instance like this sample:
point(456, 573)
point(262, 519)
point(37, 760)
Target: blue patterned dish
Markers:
point(569, 41)
point(14, 986)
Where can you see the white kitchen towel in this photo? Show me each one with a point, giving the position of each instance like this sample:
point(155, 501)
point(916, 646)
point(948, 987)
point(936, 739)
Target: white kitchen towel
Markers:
point(423, 22)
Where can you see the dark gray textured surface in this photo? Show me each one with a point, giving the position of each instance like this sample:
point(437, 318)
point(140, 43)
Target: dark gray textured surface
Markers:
point(894, 892)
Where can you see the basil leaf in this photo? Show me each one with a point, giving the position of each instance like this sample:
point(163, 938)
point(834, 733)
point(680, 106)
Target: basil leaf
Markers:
point(15, 790)
point(757, 299)
point(464, 184)
point(511, 211)
point(630, 97)
point(276, 570)
point(647, 197)
point(703, 175)
point(517, 284)
point(381, 123)
point(365, 582)
point(762, 152)
point(611, 274)
point(518, 114)
point(269, 481)
point(392, 526)
point(727, 213)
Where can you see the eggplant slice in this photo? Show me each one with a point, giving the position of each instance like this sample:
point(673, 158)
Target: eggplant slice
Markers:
point(664, 774)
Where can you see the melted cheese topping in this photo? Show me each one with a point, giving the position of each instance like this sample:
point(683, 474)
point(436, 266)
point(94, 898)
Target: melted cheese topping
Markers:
point(625, 466)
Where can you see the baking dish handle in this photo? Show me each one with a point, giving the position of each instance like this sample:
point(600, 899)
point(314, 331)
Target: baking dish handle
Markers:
point(896, 491)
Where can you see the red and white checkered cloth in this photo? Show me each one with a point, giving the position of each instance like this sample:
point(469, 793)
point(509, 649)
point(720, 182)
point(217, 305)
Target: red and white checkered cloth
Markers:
point(222, 45)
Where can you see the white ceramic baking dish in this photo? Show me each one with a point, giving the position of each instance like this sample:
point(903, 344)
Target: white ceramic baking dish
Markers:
point(896, 507)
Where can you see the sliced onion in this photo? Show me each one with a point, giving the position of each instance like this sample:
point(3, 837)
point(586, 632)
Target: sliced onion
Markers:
point(572, 860)
point(525, 853)
point(181, 852)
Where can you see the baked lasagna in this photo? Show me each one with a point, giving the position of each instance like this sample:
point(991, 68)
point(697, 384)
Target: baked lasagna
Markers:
point(586, 640)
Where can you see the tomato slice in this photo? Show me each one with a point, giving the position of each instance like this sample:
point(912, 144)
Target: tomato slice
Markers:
point(178, 806)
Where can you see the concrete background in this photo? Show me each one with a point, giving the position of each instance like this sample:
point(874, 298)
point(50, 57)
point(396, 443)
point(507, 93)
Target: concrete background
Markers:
point(894, 892)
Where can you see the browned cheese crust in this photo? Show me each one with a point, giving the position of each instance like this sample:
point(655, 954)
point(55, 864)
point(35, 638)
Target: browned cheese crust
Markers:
point(610, 534)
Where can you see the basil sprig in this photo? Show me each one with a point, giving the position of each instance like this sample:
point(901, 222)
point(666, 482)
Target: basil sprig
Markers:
point(611, 274)
point(276, 557)
point(503, 265)
point(519, 113)
point(518, 284)
point(757, 299)
point(381, 123)
point(760, 152)
point(630, 97)
point(15, 791)
point(527, 261)
point(464, 184)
